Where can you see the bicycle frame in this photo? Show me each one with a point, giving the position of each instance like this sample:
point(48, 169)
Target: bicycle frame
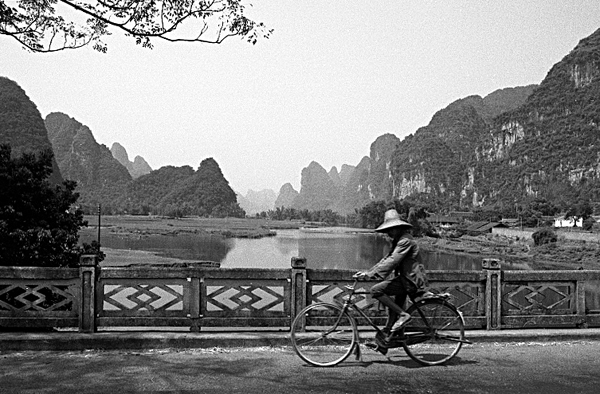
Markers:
point(435, 324)
point(349, 304)
point(404, 339)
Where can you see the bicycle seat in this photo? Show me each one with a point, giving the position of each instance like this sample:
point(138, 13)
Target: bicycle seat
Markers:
point(429, 295)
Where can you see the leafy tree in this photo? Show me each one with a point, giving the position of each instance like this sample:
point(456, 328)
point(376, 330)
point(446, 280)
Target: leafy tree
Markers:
point(533, 211)
point(543, 206)
point(371, 215)
point(283, 213)
point(52, 25)
point(38, 224)
point(581, 209)
point(588, 224)
point(490, 214)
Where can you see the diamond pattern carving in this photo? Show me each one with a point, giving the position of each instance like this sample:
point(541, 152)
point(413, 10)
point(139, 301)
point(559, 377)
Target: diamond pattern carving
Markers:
point(35, 297)
point(468, 297)
point(143, 297)
point(336, 293)
point(538, 298)
point(248, 298)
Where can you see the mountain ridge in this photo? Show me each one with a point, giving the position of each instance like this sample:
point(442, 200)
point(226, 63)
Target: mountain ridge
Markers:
point(22, 125)
point(136, 168)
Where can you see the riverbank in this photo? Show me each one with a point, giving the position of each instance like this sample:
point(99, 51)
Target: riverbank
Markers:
point(136, 227)
point(129, 225)
point(564, 254)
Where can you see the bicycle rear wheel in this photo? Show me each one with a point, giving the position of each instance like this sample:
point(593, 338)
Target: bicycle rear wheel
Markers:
point(323, 334)
point(436, 332)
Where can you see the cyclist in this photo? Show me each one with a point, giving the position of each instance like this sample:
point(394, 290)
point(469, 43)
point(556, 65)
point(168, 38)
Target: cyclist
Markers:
point(401, 272)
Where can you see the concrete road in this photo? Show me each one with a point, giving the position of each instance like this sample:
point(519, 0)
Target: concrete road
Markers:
point(548, 367)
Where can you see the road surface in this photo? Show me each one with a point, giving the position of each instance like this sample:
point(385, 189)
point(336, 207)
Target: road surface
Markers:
point(545, 367)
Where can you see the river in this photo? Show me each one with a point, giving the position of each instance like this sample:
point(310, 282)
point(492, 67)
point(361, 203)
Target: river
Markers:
point(322, 249)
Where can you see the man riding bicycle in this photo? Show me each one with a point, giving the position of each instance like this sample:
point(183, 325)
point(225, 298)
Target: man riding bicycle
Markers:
point(401, 272)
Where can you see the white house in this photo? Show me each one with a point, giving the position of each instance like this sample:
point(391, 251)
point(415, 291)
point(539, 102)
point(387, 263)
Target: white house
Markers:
point(562, 222)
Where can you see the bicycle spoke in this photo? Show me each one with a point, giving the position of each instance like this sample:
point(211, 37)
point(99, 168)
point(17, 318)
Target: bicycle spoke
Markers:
point(323, 334)
point(442, 332)
point(450, 338)
point(453, 321)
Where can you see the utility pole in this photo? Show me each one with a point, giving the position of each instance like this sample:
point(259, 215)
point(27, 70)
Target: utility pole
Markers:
point(99, 216)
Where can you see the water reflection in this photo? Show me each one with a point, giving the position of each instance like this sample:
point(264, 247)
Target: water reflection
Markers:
point(185, 247)
point(321, 249)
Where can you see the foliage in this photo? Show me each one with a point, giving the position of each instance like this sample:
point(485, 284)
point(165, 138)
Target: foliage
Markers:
point(544, 236)
point(487, 214)
point(321, 216)
point(372, 214)
point(205, 193)
point(93, 248)
point(38, 224)
point(581, 209)
point(588, 223)
point(44, 26)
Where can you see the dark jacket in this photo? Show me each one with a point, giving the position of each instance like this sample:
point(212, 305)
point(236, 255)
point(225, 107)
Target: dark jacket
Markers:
point(403, 260)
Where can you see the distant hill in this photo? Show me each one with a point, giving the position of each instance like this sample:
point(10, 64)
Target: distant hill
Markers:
point(287, 195)
point(257, 201)
point(317, 191)
point(181, 191)
point(546, 145)
point(352, 187)
point(22, 125)
point(205, 193)
point(100, 177)
point(136, 168)
point(431, 164)
point(144, 195)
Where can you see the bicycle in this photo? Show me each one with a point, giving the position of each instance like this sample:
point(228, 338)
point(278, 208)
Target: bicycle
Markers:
point(324, 334)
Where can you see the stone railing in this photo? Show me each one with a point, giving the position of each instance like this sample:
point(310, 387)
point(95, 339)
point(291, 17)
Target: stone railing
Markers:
point(92, 297)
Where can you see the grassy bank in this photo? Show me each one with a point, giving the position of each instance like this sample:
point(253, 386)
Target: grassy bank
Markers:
point(228, 227)
point(564, 254)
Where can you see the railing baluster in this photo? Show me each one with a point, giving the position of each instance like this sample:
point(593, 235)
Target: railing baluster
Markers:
point(493, 293)
point(298, 293)
point(87, 273)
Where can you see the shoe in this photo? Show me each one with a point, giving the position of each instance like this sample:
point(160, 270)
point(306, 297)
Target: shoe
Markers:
point(377, 347)
point(401, 322)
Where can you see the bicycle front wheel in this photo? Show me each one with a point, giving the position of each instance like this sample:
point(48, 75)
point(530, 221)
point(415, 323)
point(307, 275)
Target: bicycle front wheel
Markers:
point(436, 332)
point(323, 334)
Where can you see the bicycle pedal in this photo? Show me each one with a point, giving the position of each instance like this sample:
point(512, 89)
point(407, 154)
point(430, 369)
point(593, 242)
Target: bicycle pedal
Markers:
point(377, 348)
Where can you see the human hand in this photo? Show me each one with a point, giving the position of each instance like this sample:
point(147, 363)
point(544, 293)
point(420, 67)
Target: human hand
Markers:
point(360, 275)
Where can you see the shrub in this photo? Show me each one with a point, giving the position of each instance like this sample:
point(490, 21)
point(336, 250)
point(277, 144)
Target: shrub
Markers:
point(588, 223)
point(544, 236)
point(39, 223)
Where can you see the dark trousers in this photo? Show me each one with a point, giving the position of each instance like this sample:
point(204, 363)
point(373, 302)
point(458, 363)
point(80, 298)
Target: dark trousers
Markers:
point(398, 287)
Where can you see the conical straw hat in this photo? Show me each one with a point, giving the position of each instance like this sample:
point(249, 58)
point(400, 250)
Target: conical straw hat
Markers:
point(391, 219)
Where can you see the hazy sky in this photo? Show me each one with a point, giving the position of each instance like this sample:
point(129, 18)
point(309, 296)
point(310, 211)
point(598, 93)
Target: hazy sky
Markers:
point(333, 77)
